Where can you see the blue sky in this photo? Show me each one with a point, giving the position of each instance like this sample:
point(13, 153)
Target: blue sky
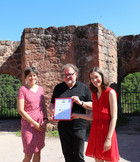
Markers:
point(120, 16)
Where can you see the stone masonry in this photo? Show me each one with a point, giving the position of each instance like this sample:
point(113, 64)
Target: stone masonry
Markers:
point(128, 55)
point(86, 46)
point(48, 49)
point(10, 58)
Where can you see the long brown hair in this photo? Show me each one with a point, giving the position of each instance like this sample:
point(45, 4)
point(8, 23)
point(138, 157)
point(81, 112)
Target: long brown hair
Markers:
point(104, 81)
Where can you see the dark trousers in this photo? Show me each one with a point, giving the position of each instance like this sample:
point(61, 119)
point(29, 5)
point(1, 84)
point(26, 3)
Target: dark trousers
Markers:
point(72, 142)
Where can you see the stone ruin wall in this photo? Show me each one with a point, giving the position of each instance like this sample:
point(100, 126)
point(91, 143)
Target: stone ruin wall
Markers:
point(10, 58)
point(85, 46)
point(48, 49)
point(128, 55)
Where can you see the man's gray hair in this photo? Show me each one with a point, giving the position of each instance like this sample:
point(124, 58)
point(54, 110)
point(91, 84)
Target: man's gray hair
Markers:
point(72, 66)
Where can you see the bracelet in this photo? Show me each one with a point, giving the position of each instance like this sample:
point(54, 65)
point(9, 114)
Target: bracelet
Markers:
point(82, 103)
point(45, 118)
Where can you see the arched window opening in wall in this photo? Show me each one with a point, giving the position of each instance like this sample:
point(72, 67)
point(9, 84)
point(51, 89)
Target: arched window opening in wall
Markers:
point(130, 94)
point(9, 86)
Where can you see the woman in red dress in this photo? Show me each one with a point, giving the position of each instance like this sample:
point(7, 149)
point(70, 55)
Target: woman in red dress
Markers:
point(31, 106)
point(102, 143)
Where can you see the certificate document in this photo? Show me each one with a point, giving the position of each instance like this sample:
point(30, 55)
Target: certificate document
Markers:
point(62, 109)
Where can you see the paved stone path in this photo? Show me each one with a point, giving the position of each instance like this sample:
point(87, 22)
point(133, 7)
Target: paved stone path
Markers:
point(11, 145)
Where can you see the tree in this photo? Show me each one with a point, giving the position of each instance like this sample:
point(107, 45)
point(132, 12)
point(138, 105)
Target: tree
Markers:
point(9, 86)
point(131, 83)
point(130, 98)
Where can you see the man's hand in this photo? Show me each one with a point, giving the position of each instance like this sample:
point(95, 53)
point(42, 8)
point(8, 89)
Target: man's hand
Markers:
point(76, 100)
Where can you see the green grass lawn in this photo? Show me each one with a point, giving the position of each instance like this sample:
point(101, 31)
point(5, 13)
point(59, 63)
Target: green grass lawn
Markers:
point(48, 133)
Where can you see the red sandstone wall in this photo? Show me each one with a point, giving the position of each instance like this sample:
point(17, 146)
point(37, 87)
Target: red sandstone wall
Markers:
point(48, 49)
point(128, 55)
point(107, 44)
point(10, 58)
point(86, 46)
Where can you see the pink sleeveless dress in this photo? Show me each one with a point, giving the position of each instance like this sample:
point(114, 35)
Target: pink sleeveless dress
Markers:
point(32, 139)
point(99, 130)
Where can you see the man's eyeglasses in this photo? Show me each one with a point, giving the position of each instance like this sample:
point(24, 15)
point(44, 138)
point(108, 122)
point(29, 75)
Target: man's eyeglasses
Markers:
point(68, 75)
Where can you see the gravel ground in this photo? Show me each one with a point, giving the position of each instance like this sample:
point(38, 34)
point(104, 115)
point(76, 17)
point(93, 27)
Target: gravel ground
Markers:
point(11, 145)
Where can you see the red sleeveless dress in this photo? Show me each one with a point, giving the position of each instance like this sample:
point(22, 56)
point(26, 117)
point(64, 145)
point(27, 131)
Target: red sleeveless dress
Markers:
point(99, 130)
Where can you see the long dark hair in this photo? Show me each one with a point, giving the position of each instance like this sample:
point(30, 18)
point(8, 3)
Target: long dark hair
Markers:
point(28, 70)
point(104, 81)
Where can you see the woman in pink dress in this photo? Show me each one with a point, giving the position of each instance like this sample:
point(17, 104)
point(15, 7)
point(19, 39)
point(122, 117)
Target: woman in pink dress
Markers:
point(102, 143)
point(31, 106)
